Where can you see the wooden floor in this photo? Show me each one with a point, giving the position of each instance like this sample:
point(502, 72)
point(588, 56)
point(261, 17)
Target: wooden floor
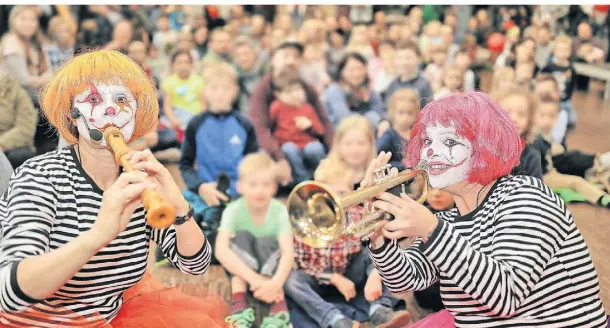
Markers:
point(592, 134)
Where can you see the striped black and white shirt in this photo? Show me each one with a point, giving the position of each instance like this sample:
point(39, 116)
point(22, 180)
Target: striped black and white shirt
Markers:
point(50, 201)
point(517, 260)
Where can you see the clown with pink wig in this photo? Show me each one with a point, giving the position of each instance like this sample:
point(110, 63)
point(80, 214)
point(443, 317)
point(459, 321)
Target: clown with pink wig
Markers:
point(509, 254)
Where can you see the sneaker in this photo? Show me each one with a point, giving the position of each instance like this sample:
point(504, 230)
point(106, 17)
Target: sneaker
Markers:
point(344, 323)
point(278, 320)
point(384, 317)
point(242, 319)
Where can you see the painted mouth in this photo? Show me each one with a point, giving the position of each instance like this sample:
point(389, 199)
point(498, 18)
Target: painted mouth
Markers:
point(437, 168)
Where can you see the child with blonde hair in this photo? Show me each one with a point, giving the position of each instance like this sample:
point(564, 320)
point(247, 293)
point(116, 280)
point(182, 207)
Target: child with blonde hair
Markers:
point(502, 79)
point(360, 42)
point(452, 81)
point(403, 108)
point(255, 244)
point(353, 146)
point(344, 266)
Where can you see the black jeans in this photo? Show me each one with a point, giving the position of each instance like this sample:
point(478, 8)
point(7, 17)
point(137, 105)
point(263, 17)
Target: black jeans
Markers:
point(19, 155)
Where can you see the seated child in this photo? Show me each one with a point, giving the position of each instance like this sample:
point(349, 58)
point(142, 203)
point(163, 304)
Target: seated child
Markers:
point(546, 86)
point(254, 244)
point(182, 93)
point(297, 128)
point(215, 141)
point(521, 105)
point(353, 146)
point(327, 279)
point(434, 70)
point(566, 169)
point(502, 79)
point(525, 73)
point(403, 107)
point(463, 61)
point(452, 82)
point(561, 68)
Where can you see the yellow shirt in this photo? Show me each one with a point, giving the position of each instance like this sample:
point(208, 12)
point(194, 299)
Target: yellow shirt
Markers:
point(185, 94)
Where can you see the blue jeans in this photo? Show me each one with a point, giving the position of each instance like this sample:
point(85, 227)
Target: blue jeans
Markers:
point(316, 305)
point(303, 161)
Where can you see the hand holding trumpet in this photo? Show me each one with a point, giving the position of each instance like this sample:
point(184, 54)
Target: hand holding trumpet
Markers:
point(411, 219)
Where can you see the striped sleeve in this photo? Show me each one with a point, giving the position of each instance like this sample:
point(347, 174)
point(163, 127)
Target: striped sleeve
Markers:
point(196, 264)
point(30, 207)
point(403, 271)
point(531, 224)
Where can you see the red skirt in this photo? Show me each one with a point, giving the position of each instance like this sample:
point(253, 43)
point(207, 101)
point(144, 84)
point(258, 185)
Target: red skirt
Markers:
point(148, 304)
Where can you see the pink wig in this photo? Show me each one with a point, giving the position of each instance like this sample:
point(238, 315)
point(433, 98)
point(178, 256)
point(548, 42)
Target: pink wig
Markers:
point(479, 119)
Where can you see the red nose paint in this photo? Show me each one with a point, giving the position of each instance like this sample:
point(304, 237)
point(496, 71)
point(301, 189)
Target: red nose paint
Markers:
point(110, 111)
point(430, 152)
point(91, 119)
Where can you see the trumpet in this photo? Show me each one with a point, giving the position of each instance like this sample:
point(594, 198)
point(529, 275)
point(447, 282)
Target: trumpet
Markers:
point(159, 214)
point(318, 216)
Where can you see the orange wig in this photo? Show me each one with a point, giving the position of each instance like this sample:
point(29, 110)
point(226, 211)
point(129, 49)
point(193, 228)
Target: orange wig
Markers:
point(105, 67)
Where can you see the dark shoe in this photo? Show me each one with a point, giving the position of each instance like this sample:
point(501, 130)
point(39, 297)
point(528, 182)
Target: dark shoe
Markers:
point(344, 323)
point(384, 317)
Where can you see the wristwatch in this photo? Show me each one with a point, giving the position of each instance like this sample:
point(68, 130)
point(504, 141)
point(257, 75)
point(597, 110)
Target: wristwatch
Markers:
point(182, 219)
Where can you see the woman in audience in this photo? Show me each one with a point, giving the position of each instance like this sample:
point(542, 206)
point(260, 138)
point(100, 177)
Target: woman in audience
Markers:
point(352, 93)
point(510, 254)
point(22, 52)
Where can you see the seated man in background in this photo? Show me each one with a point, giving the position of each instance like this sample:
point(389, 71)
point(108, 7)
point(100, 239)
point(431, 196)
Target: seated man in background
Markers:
point(17, 121)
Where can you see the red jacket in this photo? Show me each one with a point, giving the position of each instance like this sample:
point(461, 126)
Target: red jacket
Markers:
point(283, 117)
point(260, 103)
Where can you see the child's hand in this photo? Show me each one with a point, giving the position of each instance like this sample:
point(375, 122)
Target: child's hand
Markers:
point(382, 128)
point(345, 286)
point(257, 282)
point(176, 124)
point(302, 122)
point(284, 172)
point(373, 287)
point(211, 196)
point(268, 291)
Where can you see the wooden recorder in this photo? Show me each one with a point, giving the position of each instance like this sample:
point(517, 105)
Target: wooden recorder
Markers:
point(160, 214)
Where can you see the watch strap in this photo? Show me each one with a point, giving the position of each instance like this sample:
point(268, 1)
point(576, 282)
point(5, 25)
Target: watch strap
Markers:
point(183, 219)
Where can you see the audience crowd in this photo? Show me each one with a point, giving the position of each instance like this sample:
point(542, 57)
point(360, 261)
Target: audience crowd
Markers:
point(260, 98)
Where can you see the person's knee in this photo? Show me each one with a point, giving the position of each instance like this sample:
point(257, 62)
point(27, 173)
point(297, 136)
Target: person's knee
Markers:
point(295, 282)
point(238, 284)
point(314, 150)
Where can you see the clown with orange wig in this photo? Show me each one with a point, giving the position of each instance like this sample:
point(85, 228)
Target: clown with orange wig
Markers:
point(74, 241)
point(509, 254)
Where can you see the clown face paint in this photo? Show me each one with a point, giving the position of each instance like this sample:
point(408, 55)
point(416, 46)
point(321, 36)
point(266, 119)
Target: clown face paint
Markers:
point(103, 105)
point(449, 156)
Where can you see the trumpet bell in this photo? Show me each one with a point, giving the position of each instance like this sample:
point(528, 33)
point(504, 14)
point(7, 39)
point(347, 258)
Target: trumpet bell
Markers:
point(319, 217)
point(316, 216)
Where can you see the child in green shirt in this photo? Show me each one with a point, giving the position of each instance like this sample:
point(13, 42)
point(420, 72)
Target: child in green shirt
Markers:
point(255, 244)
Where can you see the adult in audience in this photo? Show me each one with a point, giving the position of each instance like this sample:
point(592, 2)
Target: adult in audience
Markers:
point(510, 254)
point(219, 48)
point(22, 54)
point(352, 92)
point(17, 121)
point(250, 67)
point(285, 61)
point(122, 34)
point(63, 39)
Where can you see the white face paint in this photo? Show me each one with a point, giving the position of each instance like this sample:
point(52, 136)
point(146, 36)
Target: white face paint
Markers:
point(103, 105)
point(449, 156)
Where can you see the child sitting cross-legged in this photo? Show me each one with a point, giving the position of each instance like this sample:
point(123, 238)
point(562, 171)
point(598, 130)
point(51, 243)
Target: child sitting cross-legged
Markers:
point(254, 244)
point(338, 284)
point(568, 169)
point(297, 128)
